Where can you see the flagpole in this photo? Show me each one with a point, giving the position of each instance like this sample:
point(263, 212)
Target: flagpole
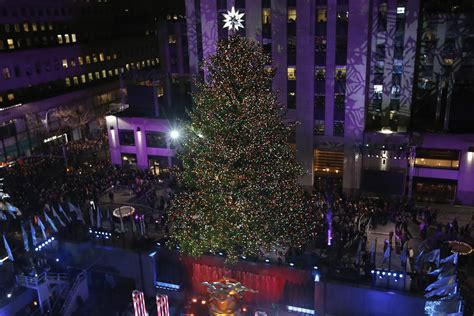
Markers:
point(405, 265)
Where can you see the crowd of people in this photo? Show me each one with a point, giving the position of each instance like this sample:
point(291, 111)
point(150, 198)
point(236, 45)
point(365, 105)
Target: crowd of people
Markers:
point(43, 180)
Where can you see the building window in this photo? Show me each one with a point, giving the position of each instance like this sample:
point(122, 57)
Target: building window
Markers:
point(437, 158)
point(72, 62)
point(90, 76)
point(101, 57)
point(16, 27)
point(67, 81)
point(34, 27)
point(126, 137)
point(60, 39)
point(83, 78)
point(158, 164)
point(80, 61)
point(6, 73)
point(97, 75)
point(7, 28)
point(25, 27)
point(291, 73)
point(129, 160)
point(291, 15)
point(10, 43)
point(66, 38)
point(88, 59)
point(171, 39)
point(10, 97)
point(73, 38)
point(50, 26)
point(42, 26)
point(75, 79)
point(322, 15)
point(104, 74)
point(266, 16)
point(156, 140)
point(64, 63)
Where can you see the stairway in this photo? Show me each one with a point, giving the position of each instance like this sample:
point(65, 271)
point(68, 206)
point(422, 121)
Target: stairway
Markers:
point(78, 289)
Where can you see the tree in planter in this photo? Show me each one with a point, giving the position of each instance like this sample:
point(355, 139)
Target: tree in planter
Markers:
point(239, 176)
point(75, 116)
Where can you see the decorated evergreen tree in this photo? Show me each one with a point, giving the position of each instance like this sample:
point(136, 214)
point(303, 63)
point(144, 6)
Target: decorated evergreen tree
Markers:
point(239, 175)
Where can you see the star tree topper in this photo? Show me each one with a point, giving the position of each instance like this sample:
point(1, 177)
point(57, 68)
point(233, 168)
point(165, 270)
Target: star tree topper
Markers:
point(233, 19)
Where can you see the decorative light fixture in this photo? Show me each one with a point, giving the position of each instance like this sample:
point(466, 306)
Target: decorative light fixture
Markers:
point(386, 130)
point(233, 19)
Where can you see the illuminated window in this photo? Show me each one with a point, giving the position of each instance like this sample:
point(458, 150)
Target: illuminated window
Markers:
point(66, 38)
point(266, 16)
point(90, 76)
point(26, 27)
point(72, 62)
point(80, 61)
point(104, 74)
point(42, 26)
point(10, 97)
point(88, 59)
point(322, 15)
point(378, 88)
point(6, 73)
point(400, 10)
point(1, 99)
point(83, 78)
point(10, 43)
point(94, 58)
point(101, 57)
point(291, 73)
point(75, 80)
point(64, 63)
point(73, 38)
point(97, 75)
point(127, 66)
point(171, 39)
point(114, 56)
point(50, 26)
point(148, 62)
point(108, 57)
point(291, 14)
point(67, 81)
point(34, 27)
point(116, 71)
point(157, 60)
point(436, 163)
point(111, 73)
point(60, 39)
point(16, 27)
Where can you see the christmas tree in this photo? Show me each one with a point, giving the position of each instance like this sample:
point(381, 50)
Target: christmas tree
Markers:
point(239, 175)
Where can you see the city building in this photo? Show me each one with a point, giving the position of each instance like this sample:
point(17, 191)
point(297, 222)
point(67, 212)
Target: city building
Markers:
point(64, 57)
point(350, 71)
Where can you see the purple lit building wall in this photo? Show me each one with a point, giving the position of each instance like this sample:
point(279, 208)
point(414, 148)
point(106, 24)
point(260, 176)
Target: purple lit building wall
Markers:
point(345, 69)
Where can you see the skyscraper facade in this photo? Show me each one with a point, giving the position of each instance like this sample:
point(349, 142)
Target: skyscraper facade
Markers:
point(347, 70)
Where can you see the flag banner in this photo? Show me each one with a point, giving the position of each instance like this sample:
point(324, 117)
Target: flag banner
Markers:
point(99, 218)
point(7, 248)
point(432, 256)
point(162, 305)
point(58, 218)
point(50, 221)
point(358, 254)
point(61, 210)
point(372, 251)
point(452, 258)
point(25, 238)
point(442, 291)
point(386, 254)
point(404, 255)
point(419, 260)
point(40, 224)
point(11, 209)
point(445, 270)
point(78, 211)
point(139, 303)
point(91, 216)
point(109, 219)
point(441, 283)
point(134, 227)
point(33, 234)
point(72, 208)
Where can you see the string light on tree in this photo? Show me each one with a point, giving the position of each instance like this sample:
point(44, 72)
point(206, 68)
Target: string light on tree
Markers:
point(239, 176)
point(233, 19)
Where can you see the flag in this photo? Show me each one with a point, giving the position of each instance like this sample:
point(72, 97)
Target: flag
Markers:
point(40, 224)
point(25, 238)
point(451, 259)
point(99, 218)
point(7, 248)
point(162, 305)
point(419, 260)
point(441, 283)
point(59, 218)
point(386, 254)
point(50, 221)
point(11, 209)
point(445, 270)
point(71, 207)
point(442, 291)
point(64, 213)
point(33, 233)
point(121, 223)
point(134, 227)
point(91, 216)
point(372, 251)
point(404, 255)
point(78, 212)
point(432, 256)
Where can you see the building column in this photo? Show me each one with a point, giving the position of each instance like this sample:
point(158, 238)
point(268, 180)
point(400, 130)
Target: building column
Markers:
point(253, 21)
point(279, 48)
point(388, 63)
point(209, 27)
point(330, 67)
point(356, 93)
point(305, 23)
point(192, 37)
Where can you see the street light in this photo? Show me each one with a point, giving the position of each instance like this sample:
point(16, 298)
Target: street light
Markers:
point(174, 134)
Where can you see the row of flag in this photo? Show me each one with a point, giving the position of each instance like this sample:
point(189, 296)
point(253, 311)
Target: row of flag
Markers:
point(162, 304)
point(42, 227)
